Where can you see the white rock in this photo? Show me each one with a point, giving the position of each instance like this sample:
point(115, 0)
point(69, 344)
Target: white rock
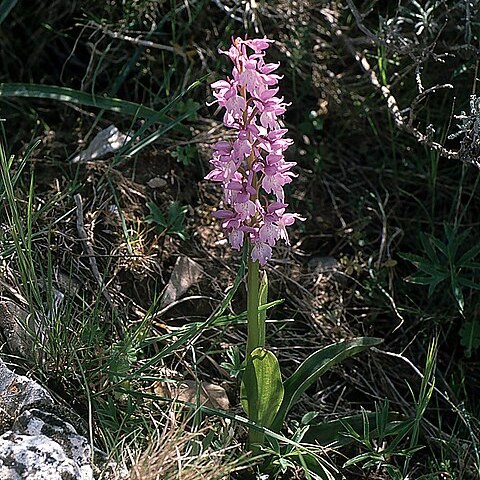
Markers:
point(39, 444)
point(37, 457)
point(107, 141)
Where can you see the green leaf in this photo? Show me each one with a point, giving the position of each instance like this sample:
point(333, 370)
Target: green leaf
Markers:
point(467, 257)
point(64, 94)
point(470, 336)
point(427, 247)
point(173, 224)
point(415, 259)
point(315, 464)
point(6, 6)
point(468, 283)
point(185, 154)
point(471, 265)
point(261, 391)
point(314, 367)
point(440, 246)
point(393, 472)
point(458, 294)
point(332, 433)
point(455, 240)
point(434, 283)
point(156, 216)
point(188, 106)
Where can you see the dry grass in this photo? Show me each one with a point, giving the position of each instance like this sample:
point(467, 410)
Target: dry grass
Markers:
point(178, 454)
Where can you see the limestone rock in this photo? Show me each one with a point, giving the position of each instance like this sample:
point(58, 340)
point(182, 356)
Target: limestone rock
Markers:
point(109, 140)
point(37, 442)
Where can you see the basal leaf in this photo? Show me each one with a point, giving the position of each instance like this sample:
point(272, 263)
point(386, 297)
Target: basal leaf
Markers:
point(65, 94)
point(314, 367)
point(261, 391)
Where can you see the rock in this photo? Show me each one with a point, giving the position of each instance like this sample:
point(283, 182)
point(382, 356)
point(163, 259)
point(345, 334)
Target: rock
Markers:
point(323, 264)
point(37, 457)
point(17, 393)
point(107, 141)
point(157, 183)
point(38, 441)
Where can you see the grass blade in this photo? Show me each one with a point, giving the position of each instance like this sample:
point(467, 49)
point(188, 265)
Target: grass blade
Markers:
point(64, 94)
point(5, 8)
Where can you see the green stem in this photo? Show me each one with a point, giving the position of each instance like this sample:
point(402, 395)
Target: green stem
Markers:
point(255, 336)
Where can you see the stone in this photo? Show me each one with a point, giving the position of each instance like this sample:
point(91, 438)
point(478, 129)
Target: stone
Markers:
point(38, 441)
point(109, 140)
point(157, 183)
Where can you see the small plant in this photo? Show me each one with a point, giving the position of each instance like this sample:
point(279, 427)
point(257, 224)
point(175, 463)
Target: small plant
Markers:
point(171, 224)
point(253, 172)
point(234, 364)
point(185, 154)
point(188, 107)
point(390, 436)
point(445, 262)
point(450, 262)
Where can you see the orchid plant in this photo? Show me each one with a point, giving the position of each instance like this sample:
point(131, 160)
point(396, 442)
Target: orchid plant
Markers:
point(253, 172)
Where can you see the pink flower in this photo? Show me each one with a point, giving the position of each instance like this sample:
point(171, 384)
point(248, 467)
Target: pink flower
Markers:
point(275, 182)
point(252, 166)
point(269, 233)
point(235, 239)
point(286, 220)
point(235, 106)
point(246, 210)
point(258, 44)
point(261, 252)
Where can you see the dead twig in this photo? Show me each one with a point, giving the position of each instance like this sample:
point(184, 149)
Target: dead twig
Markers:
point(89, 249)
point(392, 104)
point(139, 41)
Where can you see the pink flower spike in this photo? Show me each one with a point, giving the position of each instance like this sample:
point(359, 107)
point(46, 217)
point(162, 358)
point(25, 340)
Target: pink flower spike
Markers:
point(251, 167)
